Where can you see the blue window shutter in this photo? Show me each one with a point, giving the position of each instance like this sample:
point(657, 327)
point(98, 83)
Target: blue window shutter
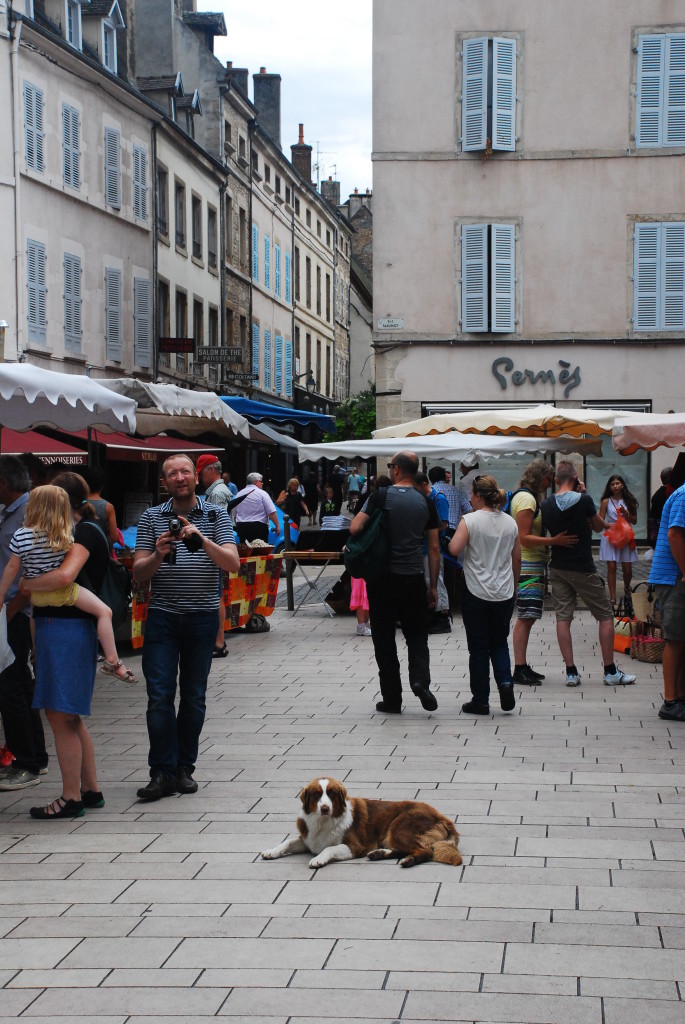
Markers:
point(37, 292)
point(647, 285)
point(267, 360)
point(255, 350)
point(139, 183)
point(33, 127)
point(504, 94)
point(267, 262)
point(673, 244)
point(674, 91)
point(72, 302)
point(277, 270)
point(255, 253)
point(71, 146)
point(474, 100)
point(287, 278)
point(112, 168)
point(142, 321)
point(288, 368)
point(502, 283)
point(649, 101)
point(474, 279)
point(113, 313)
point(278, 368)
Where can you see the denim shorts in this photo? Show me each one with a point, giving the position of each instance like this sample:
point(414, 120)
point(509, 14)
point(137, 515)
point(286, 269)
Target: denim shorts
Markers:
point(672, 611)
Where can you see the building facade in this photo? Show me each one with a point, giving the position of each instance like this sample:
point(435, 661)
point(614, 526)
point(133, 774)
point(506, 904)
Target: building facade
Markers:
point(530, 220)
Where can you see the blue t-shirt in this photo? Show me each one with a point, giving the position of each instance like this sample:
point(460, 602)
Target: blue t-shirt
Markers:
point(664, 566)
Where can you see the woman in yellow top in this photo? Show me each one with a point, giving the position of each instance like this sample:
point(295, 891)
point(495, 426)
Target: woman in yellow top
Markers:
point(538, 476)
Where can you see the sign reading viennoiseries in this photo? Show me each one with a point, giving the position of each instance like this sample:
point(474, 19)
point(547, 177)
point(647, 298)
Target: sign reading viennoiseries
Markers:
point(565, 376)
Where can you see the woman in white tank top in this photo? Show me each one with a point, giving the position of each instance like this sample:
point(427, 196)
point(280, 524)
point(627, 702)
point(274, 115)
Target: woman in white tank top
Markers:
point(488, 541)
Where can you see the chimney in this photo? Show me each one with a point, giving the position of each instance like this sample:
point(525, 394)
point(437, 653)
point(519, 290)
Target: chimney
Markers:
point(302, 157)
point(237, 76)
point(267, 100)
point(355, 203)
point(330, 190)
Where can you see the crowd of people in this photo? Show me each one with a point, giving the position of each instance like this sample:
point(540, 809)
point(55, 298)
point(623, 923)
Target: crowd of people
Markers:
point(55, 546)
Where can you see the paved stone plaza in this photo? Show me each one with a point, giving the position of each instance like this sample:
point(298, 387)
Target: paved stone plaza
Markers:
point(569, 907)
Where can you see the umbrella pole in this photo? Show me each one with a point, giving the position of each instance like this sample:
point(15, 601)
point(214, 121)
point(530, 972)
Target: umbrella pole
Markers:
point(90, 446)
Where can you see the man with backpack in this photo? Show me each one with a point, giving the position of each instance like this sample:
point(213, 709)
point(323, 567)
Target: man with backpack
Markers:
point(399, 593)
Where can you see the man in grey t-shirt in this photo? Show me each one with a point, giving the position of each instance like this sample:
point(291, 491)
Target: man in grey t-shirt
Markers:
point(400, 594)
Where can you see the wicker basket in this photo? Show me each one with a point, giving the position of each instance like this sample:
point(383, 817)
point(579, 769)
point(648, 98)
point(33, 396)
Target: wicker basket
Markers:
point(647, 644)
point(645, 604)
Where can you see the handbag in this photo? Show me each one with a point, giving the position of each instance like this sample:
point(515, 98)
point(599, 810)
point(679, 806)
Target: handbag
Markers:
point(115, 589)
point(367, 555)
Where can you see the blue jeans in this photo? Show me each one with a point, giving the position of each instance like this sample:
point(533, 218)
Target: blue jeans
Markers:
point(487, 629)
point(176, 645)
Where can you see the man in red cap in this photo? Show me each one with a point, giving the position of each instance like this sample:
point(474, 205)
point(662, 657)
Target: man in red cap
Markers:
point(209, 477)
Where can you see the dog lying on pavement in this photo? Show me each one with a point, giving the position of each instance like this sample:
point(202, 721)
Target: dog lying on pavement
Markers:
point(333, 826)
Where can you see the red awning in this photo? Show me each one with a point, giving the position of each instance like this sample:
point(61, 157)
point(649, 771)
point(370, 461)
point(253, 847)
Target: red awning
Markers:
point(16, 442)
point(122, 448)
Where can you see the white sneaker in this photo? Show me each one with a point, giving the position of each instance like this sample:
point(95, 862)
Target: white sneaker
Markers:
point(573, 679)
point(363, 629)
point(618, 678)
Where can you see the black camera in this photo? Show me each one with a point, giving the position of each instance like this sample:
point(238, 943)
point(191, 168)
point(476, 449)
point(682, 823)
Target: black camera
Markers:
point(175, 531)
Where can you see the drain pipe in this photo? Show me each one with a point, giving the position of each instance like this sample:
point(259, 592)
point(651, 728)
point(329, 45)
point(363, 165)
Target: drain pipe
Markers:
point(16, 25)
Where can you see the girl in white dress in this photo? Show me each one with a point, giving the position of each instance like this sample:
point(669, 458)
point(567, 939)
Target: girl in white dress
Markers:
point(617, 501)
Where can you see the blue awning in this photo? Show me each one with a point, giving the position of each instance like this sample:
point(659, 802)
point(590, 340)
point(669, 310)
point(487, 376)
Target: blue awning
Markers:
point(255, 412)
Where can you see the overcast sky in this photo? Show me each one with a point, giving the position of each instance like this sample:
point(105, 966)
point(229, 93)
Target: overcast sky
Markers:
point(323, 54)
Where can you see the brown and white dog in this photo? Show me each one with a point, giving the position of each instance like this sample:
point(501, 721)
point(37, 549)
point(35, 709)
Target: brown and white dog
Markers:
point(337, 827)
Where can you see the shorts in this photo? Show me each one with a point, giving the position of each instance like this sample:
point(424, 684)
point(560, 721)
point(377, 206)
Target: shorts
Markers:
point(530, 595)
point(60, 598)
point(568, 586)
point(672, 611)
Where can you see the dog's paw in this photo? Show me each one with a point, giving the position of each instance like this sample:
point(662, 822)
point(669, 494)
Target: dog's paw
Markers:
point(317, 862)
point(268, 855)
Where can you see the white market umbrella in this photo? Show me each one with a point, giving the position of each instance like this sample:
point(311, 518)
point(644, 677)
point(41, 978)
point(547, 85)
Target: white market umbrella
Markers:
point(31, 396)
point(167, 407)
point(537, 421)
point(649, 430)
point(451, 447)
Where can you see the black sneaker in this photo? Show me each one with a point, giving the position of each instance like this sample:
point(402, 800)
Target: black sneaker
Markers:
point(507, 700)
point(428, 700)
point(388, 709)
point(674, 711)
point(440, 623)
point(538, 675)
point(185, 783)
point(159, 785)
point(524, 676)
point(472, 707)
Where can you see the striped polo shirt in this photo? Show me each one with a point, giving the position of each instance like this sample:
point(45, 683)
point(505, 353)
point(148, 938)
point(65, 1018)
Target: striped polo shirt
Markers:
point(664, 568)
point(192, 584)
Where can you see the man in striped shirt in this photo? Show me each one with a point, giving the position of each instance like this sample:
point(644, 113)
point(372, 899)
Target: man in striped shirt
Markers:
point(184, 569)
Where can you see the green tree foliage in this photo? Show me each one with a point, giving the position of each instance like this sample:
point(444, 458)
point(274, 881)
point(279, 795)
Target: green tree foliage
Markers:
point(355, 418)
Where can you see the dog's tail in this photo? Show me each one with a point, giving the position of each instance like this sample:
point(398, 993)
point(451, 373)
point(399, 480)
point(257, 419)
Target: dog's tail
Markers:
point(443, 841)
point(446, 852)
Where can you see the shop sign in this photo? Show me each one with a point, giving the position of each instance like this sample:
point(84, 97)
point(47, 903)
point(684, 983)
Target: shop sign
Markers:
point(219, 355)
point(67, 460)
point(242, 378)
point(177, 345)
point(569, 378)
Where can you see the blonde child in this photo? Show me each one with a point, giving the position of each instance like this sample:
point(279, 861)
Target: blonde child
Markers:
point(39, 546)
point(359, 603)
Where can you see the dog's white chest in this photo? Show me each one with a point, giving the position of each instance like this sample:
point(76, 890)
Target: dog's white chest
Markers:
point(324, 831)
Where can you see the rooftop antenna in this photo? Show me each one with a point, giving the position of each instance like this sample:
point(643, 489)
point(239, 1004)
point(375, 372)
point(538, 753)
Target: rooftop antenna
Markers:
point(317, 165)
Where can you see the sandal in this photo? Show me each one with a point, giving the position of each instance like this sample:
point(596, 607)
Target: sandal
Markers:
point(91, 798)
point(118, 669)
point(59, 808)
point(220, 652)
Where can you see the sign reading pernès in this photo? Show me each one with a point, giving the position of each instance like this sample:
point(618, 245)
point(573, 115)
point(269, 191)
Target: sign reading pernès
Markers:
point(391, 323)
point(177, 345)
point(564, 376)
point(218, 355)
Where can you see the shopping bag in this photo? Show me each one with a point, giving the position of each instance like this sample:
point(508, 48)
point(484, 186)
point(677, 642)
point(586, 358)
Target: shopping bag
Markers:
point(6, 652)
point(621, 534)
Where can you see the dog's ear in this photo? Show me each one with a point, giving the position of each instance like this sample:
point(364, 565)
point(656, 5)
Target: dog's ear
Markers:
point(338, 795)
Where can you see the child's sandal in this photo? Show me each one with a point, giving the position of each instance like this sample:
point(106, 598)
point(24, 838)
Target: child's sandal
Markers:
point(118, 669)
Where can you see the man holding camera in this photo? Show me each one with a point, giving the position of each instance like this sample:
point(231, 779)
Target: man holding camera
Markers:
point(182, 546)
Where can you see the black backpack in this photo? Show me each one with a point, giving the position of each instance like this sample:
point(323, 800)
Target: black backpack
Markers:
point(368, 554)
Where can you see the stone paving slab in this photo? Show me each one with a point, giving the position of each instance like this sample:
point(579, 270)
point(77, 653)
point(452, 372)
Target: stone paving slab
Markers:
point(569, 907)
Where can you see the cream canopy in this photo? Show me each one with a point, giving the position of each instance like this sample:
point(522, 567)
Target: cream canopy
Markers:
point(31, 396)
point(537, 421)
point(648, 431)
point(451, 447)
point(168, 407)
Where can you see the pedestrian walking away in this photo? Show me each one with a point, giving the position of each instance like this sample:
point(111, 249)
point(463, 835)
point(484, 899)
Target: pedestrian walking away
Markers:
point(399, 594)
point(253, 513)
point(573, 573)
point(489, 541)
point(182, 547)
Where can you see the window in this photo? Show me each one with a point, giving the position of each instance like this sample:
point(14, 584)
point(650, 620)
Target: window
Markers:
point(287, 194)
point(73, 22)
point(660, 103)
point(211, 237)
point(163, 317)
point(113, 314)
point(213, 327)
point(243, 332)
point(112, 168)
point(229, 229)
point(139, 183)
point(241, 147)
point(308, 351)
point(71, 146)
point(267, 360)
point(163, 201)
point(328, 297)
point(109, 46)
point(37, 292)
point(255, 253)
point(659, 275)
point(197, 227)
point(278, 368)
point(328, 238)
point(288, 370)
point(297, 274)
point(318, 291)
point(72, 303)
point(488, 102)
point(297, 207)
point(180, 211)
point(181, 326)
point(198, 323)
point(267, 173)
point(487, 278)
point(287, 278)
point(267, 262)
point(142, 321)
point(242, 227)
point(318, 362)
point(277, 185)
point(328, 369)
point(277, 270)
point(308, 281)
point(255, 349)
point(229, 326)
point(308, 218)
point(318, 228)
point(33, 127)
point(255, 162)
point(297, 348)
